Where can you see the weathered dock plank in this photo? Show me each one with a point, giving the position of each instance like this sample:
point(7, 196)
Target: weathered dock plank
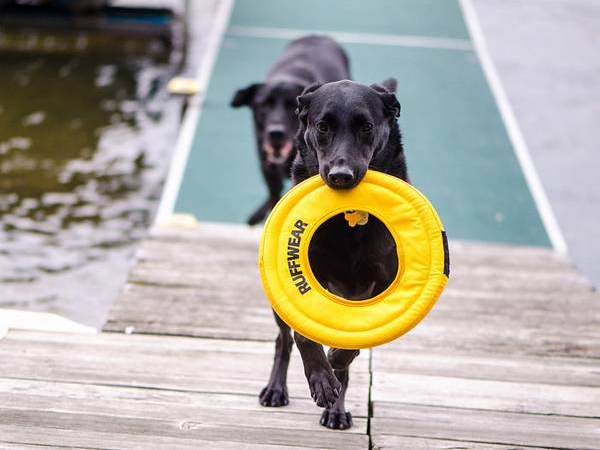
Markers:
point(509, 396)
point(202, 284)
point(187, 311)
point(398, 359)
point(104, 390)
point(125, 432)
point(509, 358)
point(207, 366)
point(484, 427)
point(389, 442)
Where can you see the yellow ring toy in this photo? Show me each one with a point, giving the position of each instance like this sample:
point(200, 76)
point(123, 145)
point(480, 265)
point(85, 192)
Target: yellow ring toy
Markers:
point(307, 307)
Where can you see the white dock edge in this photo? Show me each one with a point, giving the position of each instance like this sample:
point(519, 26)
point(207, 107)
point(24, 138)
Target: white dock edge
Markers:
point(39, 321)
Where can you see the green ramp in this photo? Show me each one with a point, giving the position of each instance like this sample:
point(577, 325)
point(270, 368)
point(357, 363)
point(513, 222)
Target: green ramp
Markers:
point(458, 151)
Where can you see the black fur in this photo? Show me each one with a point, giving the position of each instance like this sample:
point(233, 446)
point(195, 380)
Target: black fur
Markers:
point(345, 129)
point(310, 59)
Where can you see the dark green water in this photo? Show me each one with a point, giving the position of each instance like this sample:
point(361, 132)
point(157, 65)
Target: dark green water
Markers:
point(86, 132)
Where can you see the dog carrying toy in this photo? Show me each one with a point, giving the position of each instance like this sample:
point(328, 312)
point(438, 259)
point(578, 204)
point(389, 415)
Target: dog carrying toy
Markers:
point(309, 308)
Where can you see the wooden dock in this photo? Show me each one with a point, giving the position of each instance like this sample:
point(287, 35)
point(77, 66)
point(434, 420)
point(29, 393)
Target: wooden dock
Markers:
point(510, 357)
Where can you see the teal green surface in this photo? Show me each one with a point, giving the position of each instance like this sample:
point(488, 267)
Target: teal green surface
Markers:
point(439, 18)
point(458, 151)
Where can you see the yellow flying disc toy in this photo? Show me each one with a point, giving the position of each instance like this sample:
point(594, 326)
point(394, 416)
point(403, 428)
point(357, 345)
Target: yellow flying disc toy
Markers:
point(309, 308)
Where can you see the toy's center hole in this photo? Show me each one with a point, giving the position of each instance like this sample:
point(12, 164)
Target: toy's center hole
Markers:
point(353, 262)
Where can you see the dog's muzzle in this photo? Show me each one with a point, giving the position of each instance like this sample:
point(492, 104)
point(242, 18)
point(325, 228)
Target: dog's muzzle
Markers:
point(277, 156)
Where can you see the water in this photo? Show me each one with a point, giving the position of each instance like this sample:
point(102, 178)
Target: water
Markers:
point(86, 132)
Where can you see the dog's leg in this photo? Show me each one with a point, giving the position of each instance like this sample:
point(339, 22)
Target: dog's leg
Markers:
point(275, 186)
point(324, 386)
point(275, 393)
point(337, 417)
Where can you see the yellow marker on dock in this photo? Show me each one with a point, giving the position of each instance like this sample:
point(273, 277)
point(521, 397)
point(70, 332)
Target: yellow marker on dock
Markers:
point(183, 86)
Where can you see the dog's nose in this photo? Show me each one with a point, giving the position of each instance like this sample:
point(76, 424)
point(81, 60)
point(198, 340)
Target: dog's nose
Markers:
point(341, 176)
point(276, 134)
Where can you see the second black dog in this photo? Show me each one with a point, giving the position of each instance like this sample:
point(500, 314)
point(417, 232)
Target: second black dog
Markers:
point(308, 60)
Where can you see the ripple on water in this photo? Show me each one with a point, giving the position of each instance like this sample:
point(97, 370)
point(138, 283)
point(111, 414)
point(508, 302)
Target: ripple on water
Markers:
point(86, 128)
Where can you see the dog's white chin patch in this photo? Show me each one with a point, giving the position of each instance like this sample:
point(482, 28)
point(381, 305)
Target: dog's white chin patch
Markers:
point(284, 153)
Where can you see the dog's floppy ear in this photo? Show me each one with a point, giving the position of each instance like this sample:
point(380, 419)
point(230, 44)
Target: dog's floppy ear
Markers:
point(244, 97)
point(304, 100)
point(386, 92)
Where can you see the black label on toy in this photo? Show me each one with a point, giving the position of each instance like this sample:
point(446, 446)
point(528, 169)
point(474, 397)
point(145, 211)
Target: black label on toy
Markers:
point(293, 257)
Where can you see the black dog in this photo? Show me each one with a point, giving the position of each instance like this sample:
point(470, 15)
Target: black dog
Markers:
point(345, 128)
point(308, 60)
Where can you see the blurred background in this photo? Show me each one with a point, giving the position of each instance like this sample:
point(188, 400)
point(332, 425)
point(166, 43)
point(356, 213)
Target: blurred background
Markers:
point(87, 125)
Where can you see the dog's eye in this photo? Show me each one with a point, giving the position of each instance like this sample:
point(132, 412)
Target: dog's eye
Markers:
point(322, 127)
point(366, 128)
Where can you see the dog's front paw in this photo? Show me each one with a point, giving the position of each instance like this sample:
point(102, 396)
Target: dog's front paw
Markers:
point(324, 388)
point(258, 216)
point(336, 420)
point(274, 395)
